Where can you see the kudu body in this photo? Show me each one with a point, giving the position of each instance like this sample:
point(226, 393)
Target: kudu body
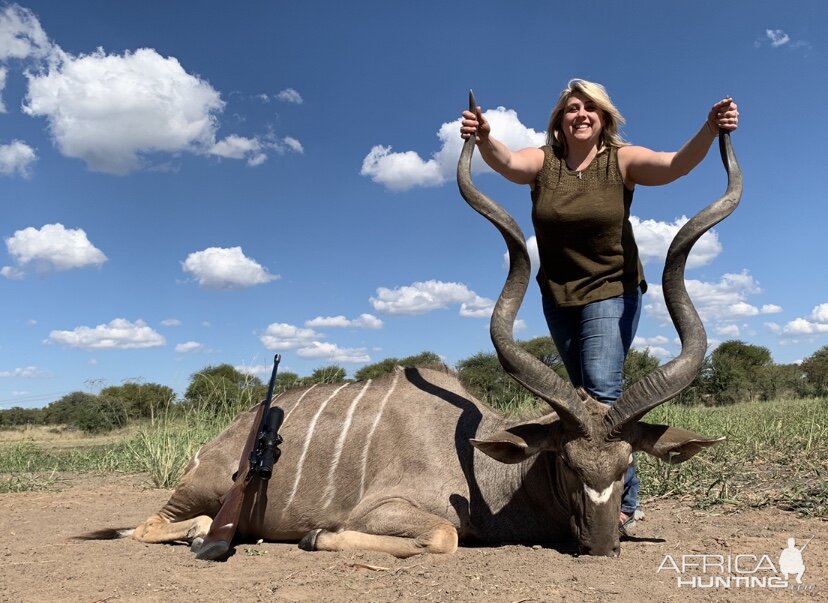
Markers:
point(412, 463)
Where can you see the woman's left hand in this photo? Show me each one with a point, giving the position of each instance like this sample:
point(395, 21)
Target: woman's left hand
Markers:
point(724, 115)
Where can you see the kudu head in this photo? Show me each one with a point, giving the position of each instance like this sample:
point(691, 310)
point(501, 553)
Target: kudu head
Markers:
point(594, 442)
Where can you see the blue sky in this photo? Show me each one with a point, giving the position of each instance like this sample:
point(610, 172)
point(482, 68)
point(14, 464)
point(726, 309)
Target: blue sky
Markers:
point(187, 184)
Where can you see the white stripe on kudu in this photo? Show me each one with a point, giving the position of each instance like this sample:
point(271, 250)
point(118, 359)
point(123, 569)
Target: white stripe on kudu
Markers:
point(298, 402)
point(371, 432)
point(330, 490)
point(308, 438)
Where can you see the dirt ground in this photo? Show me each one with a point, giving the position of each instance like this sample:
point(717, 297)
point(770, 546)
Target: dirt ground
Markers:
point(39, 561)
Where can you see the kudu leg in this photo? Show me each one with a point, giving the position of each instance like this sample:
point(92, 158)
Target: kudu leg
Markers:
point(156, 529)
point(397, 528)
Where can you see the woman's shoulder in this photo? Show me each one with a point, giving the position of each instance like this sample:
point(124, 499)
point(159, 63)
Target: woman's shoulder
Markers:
point(550, 166)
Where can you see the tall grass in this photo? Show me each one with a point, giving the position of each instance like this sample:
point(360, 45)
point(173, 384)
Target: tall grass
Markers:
point(775, 453)
point(164, 447)
point(161, 448)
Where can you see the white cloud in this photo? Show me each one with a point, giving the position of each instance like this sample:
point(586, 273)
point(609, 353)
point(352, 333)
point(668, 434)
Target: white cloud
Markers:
point(225, 268)
point(730, 330)
point(255, 369)
point(253, 149)
point(11, 273)
point(742, 309)
point(236, 147)
point(532, 249)
point(654, 238)
point(401, 171)
point(188, 346)
point(16, 157)
point(283, 336)
point(53, 247)
point(293, 144)
point(655, 351)
point(479, 307)
point(116, 111)
point(816, 323)
point(820, 313)
point(3, 73)
point(289, 95)
point(422, 297)
point(21, 36)
point(653, 345)
point(26, 372)
point(643, 342)
point(171, 322)
point(716, 303)
point(800, 326)
point(773, 327)
point(118, 334)
point(364, 321)
point(777, 37)
point(333, 353)
point(112, 110)
point(770, 309)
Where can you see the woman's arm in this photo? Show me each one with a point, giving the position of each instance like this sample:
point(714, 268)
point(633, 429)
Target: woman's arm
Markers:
point(640, 165)
point(521, 166)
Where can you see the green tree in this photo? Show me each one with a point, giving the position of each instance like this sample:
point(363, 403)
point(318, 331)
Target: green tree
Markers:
point(326, 374)
point(372, 371)
point(17, 416)
point(637, 365)
point(788, 381)
point(286, 380)
point(739, 372)
point(101, 415)
point(139, 399)
point(815, 368)
point(222, 389)
point(68, 409)
point(484, 377)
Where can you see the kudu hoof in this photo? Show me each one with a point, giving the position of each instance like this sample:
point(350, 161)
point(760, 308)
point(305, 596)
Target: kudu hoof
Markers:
point(215, 551)
point(308, 543)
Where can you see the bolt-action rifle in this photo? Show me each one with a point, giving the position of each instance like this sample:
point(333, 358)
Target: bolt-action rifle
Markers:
point(261, 451)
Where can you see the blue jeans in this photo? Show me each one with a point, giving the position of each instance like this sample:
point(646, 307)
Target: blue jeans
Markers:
point(593, 341)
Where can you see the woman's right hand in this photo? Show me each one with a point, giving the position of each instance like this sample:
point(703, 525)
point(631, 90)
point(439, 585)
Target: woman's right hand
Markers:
point(475, 123)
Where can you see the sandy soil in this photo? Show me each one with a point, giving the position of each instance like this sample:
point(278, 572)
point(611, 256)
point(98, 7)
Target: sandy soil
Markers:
point(39, 561)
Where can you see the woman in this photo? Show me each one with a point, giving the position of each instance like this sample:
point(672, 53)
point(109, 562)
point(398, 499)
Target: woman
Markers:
point(582, 184)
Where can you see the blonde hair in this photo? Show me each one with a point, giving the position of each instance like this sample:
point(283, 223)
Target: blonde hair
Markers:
point(613, 120)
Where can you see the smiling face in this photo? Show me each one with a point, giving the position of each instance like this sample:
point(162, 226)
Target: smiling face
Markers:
point(582, 121)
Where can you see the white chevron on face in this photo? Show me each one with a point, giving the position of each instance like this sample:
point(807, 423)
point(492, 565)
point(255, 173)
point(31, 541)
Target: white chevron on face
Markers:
point(598, 498)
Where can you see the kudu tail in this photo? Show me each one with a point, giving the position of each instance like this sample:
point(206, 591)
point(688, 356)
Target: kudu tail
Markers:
point(106, 534)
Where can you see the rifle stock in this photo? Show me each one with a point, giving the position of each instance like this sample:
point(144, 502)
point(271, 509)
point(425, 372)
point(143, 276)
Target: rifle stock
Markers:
point(258, 455)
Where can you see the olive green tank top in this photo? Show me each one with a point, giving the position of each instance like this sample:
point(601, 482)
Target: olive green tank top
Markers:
point(582, 224)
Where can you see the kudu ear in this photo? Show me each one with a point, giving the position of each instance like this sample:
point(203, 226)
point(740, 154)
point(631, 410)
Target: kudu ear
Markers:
point(518, 443)
point(670, 444)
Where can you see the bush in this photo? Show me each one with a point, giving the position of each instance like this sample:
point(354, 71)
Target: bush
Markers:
point(372, 371)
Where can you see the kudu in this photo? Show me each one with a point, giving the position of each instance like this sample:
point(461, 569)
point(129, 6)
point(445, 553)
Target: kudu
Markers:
point(411, 463)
